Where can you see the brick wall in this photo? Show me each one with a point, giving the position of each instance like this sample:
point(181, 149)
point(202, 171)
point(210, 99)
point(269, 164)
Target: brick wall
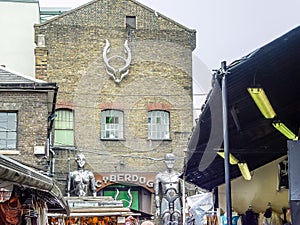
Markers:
point(159, 75)
point(31, 108)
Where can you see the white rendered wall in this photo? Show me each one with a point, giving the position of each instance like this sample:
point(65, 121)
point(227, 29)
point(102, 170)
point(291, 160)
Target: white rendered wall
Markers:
point(17, 35)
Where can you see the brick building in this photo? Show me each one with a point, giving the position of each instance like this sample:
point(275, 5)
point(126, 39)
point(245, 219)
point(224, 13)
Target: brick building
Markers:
point(125, 92)
point(25, 106)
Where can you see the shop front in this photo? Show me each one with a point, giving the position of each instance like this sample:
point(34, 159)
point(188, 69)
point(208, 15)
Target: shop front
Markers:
point(135, 190)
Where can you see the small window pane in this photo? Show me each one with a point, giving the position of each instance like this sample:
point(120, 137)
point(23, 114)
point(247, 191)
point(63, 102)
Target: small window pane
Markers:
point(130, 22)
point(158, 125)
point(64, 133)
point(8, 130)
point(111, 124)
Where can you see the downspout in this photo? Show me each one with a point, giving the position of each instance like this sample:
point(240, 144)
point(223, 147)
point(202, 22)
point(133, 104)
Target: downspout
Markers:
point(49, 133)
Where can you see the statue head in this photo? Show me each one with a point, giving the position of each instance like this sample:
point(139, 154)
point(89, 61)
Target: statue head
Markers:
point(169, 160)
point(80, 160)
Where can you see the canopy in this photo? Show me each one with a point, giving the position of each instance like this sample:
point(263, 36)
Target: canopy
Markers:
point(253, 139)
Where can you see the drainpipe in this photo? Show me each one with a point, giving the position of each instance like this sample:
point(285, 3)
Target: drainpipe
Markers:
point(52, 163)
point(49, 133)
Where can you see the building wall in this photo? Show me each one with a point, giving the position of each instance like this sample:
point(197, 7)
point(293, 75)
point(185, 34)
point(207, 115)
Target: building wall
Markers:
point(160, 76)
point(17, 19)
point(258, 192)
point(32, 111)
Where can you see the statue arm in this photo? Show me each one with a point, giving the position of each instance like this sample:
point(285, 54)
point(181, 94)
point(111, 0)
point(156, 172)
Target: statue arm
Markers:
point(69, 179)
point(92, 184)
point(156, 195)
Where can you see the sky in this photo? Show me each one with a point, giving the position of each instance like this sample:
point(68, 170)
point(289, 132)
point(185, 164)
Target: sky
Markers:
point(226, 30)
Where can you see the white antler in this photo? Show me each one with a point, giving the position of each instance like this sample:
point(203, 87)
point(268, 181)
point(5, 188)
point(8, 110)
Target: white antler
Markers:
point(119, 74)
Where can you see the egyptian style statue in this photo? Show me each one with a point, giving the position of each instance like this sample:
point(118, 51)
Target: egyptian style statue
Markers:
point(81, 182)
point(167, 191)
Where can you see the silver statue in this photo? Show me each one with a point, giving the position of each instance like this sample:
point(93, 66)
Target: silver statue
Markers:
point(167, 191)
point(81, 181)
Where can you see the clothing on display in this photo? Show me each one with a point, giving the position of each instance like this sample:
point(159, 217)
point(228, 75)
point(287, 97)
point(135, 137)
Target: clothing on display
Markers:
point(235, 219)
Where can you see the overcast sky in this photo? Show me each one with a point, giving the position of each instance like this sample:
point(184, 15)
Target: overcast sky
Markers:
point(226, 29)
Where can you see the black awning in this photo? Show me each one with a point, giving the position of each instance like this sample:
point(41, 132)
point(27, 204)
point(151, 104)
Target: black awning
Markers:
point(33, 183)
point(274, 67)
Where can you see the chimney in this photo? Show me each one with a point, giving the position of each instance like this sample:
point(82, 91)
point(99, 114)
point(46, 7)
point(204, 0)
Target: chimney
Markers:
point(41, 58)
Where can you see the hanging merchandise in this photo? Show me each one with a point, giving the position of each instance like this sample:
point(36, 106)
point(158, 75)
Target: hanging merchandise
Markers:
point(199, 205)
point(10, 212)
point(235, 219)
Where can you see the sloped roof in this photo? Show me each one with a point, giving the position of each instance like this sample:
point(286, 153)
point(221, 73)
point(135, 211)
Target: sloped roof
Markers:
point(252, 138)
point(25, 1)
point(10, 76)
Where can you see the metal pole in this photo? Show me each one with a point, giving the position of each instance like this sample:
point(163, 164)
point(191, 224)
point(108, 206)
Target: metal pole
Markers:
point(226, 145)
point(183, 201)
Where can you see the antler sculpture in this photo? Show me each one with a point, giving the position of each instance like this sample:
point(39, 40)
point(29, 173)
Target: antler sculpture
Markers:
point(117, 74)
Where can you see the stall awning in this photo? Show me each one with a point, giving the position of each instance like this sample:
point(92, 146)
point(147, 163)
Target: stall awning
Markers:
point(252, 137)
point(90, 206)
point(35, 182)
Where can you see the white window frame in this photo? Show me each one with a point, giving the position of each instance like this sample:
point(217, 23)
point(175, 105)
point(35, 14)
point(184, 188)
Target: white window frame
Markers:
point(8, 130)
point(158, 125)
point(64, 124)
point(112, 124)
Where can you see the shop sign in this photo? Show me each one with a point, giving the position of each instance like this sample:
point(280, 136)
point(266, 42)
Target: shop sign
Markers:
point(142, 179)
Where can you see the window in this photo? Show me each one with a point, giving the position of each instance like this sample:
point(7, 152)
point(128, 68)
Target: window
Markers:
point(8, 130)
point(158, 125)
point(130, 22)
point(111, 124)
point(64, 128)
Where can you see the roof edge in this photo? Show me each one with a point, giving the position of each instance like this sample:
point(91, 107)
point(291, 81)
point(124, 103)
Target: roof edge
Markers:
point(134, 1)
point(22, 75)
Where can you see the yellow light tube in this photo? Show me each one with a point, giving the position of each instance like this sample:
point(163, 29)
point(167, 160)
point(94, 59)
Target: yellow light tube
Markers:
point(245, 171)
point(262, 102)
point(285, 131)
point(232, 159)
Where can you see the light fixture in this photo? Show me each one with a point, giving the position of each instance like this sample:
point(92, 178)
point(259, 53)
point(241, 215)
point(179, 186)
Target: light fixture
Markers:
point(245, 171)
point(285, 131)
point(232, 159)
point(242, 166)
point(262, 102)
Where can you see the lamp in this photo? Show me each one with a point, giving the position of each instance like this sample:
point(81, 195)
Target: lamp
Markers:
point(285, 131)
point(242, 166)
point(232, 159)
point(262, 102)
point(245, 171)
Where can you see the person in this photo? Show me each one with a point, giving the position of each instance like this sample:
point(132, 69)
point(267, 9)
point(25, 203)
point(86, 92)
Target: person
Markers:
point(81, 181)
point(167, 191)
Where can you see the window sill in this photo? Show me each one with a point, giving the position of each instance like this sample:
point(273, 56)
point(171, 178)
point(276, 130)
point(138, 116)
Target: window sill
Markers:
point(110, 139)
point(160, 139)
point(9, 152)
